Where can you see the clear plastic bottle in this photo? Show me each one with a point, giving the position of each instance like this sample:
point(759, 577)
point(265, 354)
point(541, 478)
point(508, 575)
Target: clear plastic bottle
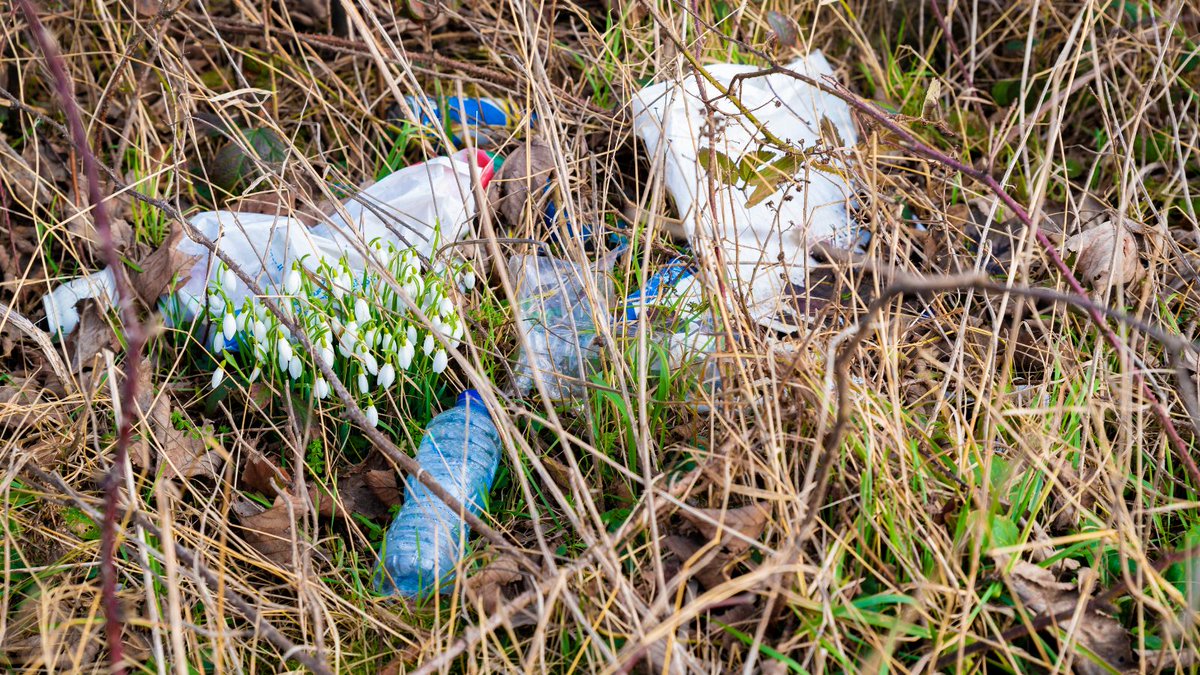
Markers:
point(461, 451)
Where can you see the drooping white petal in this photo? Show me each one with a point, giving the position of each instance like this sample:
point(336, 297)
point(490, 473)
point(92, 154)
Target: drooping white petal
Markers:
point(440, 360)
point(404, 355)
point(295, 367)
point(362, 311)
point(229, 326)
point(218, 377)
point(387, 376)
point(372, 416)
point(228, 282)
point(285, 351)
point(291, 283)
point(427, 347)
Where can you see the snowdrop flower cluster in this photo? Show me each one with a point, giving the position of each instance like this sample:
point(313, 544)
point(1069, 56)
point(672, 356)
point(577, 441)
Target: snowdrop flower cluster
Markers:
point(362, 327)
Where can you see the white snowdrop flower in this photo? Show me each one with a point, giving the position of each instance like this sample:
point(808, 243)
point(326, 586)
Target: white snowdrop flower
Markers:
point(411, 334)
point(372, 416)
point(343, 351)
point(362, 312)
point(427, 347)
point(216, 304)
point(363, 385)
point(295, 367)
point(285, 351)
point(255, 373)
point(440, 360)
point(218, 377)
point(388, 342)
point(260, 351)
point(291, 283)
point(228, 281)
point(321, 388)
point(387, 376)
point(260, 331)
point(436, 324)
point(371, 363)
point(242, 318)
point(218, 343)
point(458, 331)
point(369, 338)
point(377, 338)
point(327, 356)
point(228, 326)
point(468, 280)
point(352, 329)
point(404, 356)
point(338, 291)
point(445, 307)
point(283, 365)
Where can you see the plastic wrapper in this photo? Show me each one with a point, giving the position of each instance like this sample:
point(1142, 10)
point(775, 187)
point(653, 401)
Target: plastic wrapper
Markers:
point(422, 206)
point(558, 320)
point(765, 234)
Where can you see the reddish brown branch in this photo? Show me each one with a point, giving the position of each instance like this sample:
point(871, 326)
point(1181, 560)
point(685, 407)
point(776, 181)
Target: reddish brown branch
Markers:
point(135, 335)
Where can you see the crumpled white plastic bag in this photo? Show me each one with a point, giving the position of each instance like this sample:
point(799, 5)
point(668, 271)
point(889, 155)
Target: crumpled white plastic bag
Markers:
point(765, 246)
point(422, 206)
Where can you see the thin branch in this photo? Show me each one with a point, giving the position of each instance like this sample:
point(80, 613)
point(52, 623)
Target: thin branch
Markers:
point(135, 334)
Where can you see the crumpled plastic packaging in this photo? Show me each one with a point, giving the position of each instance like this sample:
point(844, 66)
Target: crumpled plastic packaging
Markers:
point(559, 321)
point(420, 206)
point(765, 245)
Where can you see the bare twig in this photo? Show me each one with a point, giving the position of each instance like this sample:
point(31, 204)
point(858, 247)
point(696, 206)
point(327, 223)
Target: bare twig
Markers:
point(135, 335)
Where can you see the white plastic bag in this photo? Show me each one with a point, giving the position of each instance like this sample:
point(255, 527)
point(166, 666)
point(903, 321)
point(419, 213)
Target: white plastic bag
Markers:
point(420, 206)
point(764, 245)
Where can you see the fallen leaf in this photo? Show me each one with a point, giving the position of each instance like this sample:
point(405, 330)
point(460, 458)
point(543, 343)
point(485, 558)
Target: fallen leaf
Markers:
point(520, 183)
point(271, 531)
point(1041, 593)
point(486, 587)
point(160, 269)
point(748, 521)
point(1107, 254)
point(707, 569)
point(358, 493)
point(383, 483)
point(183, 454)
point(93, 335)
point(262, 475)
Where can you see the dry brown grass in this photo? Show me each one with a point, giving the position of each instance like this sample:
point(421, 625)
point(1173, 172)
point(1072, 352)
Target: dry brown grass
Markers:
point(984, 430)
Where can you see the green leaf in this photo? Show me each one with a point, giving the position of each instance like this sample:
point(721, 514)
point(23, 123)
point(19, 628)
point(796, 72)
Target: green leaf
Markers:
point(727, 169)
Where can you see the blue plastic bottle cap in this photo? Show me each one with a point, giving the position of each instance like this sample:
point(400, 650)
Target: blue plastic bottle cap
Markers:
point(472, 396)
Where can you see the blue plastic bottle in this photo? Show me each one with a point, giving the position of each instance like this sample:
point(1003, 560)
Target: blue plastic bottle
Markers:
point(461, 451)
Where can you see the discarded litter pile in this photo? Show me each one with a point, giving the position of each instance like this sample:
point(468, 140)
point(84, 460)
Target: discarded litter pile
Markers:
point(365, 289)
point(763, 205)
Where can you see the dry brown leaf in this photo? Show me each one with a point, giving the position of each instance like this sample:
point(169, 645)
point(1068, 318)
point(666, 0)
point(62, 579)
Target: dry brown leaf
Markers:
point(271, 531)
point(707, 569)
point(1107, 254)
point(486, 587)
point(159, 269)
point(263, 475)
point(520, 182)
point(184, 454)
point(356, 494)
point(384, 486)
point(93, 335)
point(749, 521)
point(1042, 593)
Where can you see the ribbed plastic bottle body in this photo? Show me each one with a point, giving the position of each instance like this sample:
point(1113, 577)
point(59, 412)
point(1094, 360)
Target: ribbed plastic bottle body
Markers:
point(461, 451)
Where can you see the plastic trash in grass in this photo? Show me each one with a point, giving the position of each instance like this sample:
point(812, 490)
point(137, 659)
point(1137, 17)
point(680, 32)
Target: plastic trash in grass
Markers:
point(461, 451)
point(416, 208)
point(557, 316)
point(764, 207)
